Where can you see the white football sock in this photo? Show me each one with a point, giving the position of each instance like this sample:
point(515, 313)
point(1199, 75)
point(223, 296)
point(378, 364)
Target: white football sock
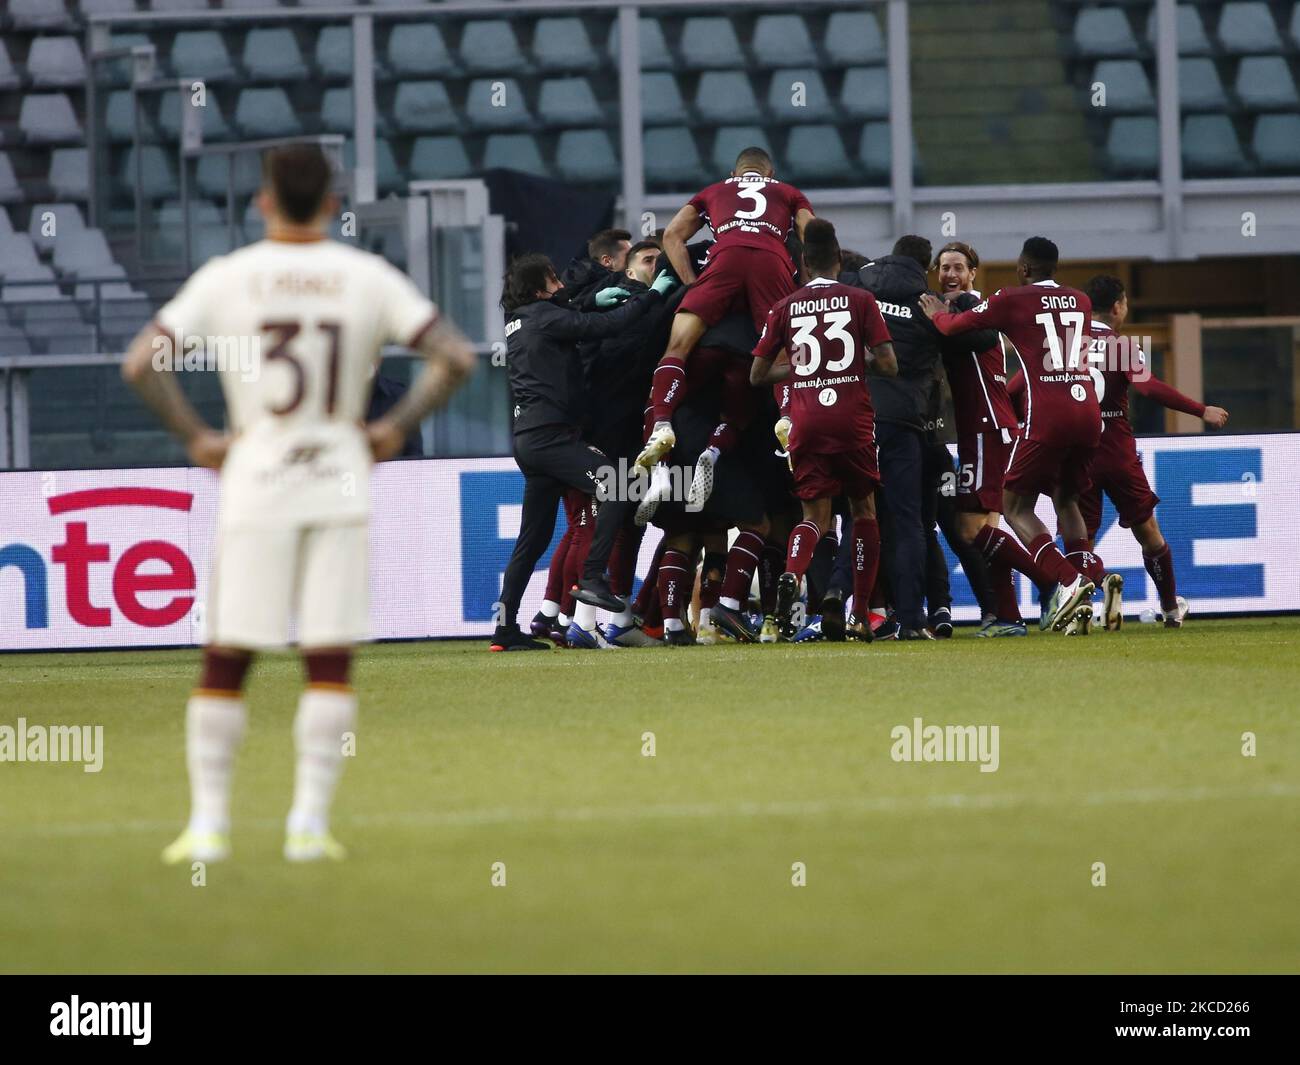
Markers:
point(564, 621)
point(584, 616)
point(214, 727)
point(729, 602)
point(324, 715)
point(673, 625)
point(623, 620)
point(550, 608)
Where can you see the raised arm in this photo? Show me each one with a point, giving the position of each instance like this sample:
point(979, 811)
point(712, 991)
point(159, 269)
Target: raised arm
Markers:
point(982, 317)
point(598, 325)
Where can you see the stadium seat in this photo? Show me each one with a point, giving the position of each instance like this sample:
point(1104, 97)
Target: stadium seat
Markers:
point(213, 119)
point(55, 62)
point(48, 118)
point(587, 156)
point(202, 212)
point(710, 43)
point(118, 71)
point(563, 44)
point(417, 50)
point(671, 157)
point(336, 113)
point(273, 55)
point(514, 151)
point(1248, 28)
point(814, 104)
point(388, 175)
point(40, 15)
point(157, 172)
point(816, 154)
point(83, 252)
point(10, 78)
point(213, 171)
point(262, 114)
point(119, 116)
point(490, 46)
point(422, 107)
point(334, 52)
point(1199, 86)
point(853, 37)
point(1210, 146)
point(730, 141)
point(1276, 143)
point(569, 102)
point(726, 96)
point(661, 99)
point(69, 174)
point(1104, 32)
point(1128, 89)
point(10, 190)
point(865, 92)
point(1133, 147)
point(201, 54)
point(433, 158)
point(66, 218)
point(1264, 83)
point(782, 41)
point(17, 254)
point(483, 113)
point(1192, 39)
point(655, 54)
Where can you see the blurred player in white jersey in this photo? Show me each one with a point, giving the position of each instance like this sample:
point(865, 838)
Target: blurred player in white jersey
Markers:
point(295, 472)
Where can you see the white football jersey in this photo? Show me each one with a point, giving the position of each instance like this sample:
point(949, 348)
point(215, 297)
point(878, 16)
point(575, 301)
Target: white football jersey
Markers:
point(295, 331)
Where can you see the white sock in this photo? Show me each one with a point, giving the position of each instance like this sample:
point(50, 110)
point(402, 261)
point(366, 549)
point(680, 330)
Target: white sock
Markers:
point(584, 616)
point(673, 625)
point(324, 715)
point(706, 615)
point(214, 727)
point(661, 425)
point(729, 602)
point(550, 608)
point(564, 621)
point(623, 620)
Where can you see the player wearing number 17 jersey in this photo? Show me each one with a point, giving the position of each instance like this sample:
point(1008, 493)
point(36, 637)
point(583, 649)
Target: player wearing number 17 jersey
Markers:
point(1049, 324)
point(832, 335)
point(293, 515)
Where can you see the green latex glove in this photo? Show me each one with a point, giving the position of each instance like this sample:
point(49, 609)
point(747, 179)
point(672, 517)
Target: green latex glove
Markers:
point(664, 283)
point(611, 297)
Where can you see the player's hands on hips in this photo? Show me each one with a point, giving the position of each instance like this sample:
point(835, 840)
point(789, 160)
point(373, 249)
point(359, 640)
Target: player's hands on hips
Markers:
point(208, 448)
point(386, 439)
point(931, 304)
point(664, 283)
point(611, 297)
point(1215, 417)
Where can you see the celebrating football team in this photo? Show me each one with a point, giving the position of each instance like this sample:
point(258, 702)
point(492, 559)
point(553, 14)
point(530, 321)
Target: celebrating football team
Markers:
point(769, 401)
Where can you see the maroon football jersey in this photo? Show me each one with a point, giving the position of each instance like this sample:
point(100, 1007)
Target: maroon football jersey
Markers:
point(978, 382)
point(827, 329)
point(1116, 361)
point(1050, 326)
point(750, 211)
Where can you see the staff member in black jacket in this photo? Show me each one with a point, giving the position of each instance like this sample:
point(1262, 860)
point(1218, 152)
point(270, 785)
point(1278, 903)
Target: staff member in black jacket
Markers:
point(546, 386)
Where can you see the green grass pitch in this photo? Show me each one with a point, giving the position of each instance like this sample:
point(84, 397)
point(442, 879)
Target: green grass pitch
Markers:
point(1123, 749)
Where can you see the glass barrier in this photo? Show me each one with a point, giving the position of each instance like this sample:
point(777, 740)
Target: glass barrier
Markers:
point(1253, 372)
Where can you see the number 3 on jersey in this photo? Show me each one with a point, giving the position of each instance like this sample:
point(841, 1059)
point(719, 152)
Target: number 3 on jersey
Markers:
point(282, 335)
point(1072, 321)
point(806, 355)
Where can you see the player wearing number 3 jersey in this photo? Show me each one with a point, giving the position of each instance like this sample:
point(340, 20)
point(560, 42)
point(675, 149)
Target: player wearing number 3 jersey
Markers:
point(1050, 326)
point(311, 317)
point(832, 336)
point(748, 270)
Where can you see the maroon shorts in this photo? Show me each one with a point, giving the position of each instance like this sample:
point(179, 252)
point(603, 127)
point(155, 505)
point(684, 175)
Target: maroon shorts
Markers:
point(821, 474)
point(1035, 468)
point(1117, 470)
point(982, 465)
point(740, 279)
